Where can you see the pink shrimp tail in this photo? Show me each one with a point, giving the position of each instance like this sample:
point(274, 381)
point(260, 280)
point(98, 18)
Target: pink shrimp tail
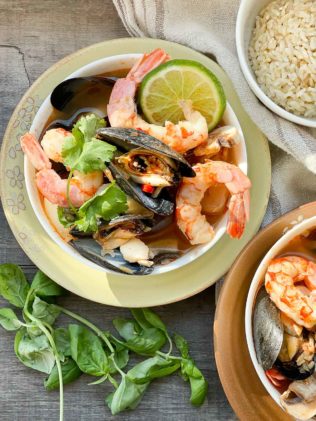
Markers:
point(147, 63)
point(121, 105)
point(238, 209)
point(34, 152)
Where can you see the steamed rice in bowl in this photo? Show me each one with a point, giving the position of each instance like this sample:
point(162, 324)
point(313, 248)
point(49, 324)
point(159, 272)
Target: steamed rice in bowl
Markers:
point(282, 54)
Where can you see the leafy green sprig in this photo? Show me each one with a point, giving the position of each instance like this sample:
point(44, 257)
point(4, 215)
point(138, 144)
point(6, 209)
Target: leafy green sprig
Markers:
point(83, 152)
point(65, 353)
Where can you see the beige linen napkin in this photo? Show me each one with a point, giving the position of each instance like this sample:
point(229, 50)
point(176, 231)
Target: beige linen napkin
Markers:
point(209, 26)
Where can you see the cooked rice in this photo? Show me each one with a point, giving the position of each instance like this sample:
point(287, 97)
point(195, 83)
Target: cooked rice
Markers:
point(282, 54)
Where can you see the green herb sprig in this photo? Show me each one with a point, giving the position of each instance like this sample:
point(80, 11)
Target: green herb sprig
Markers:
point(65, 353)
point(83, 152)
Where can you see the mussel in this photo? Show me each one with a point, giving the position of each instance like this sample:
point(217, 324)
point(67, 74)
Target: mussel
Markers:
point(159, 205)
point(267, 330)
point(121, 229)
point(280, 342)
point(128, 139)
point(296, 357)
point(300, 398)
point(64, 93)
point(145, 160)
point(114, 260)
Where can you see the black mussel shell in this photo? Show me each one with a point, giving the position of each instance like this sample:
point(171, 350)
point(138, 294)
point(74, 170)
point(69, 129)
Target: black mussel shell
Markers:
point(80, 234)
point(159, 205)
point(91, 250)
point(292, 371)
point(127, 139)
point(69, 88)
point(267, 330)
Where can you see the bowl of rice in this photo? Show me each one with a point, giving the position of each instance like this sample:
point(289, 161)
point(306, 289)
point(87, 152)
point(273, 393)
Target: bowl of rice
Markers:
point(276, 46)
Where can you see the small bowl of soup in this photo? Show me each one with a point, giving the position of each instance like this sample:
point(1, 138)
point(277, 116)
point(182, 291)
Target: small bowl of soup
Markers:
point(280, 320)
point(165, 234)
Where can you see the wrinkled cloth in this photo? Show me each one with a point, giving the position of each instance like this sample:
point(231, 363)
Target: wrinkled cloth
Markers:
point(209, 26)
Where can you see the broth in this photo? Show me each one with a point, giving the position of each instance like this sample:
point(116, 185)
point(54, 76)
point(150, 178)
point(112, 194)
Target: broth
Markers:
point(304, 246)
point(166, 233)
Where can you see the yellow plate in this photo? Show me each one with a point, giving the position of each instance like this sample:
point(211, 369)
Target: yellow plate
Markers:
point(122, 290)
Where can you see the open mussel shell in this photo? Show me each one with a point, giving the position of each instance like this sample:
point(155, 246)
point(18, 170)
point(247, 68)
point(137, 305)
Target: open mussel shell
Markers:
point(127, 139)
point(268, 330)
point(91, 250)
point(292, 371)
point(69, 88)
point(159, 205)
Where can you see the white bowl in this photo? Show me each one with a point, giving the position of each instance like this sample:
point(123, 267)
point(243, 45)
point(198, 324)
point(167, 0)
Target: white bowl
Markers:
point(247, 13)
point(107, 65)
point(256, 284)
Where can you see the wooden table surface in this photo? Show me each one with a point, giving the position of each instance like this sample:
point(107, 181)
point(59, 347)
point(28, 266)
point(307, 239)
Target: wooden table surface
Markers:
point(34, 35)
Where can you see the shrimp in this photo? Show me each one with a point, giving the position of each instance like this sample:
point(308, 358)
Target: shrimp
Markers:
point(122, 109)
point(52, 143)
point(51, 185)
point(190, 194)
point(295, 301)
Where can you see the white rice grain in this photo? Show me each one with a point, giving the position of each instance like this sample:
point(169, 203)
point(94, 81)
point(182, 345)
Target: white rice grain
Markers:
point(282, 54)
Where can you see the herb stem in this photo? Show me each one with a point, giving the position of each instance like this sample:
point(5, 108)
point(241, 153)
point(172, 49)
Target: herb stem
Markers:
point(56, 355)
point(113, 381)
point(167, 356)
point(100, 380)
point(68, 191)
point(170, 344)
point(88, 324)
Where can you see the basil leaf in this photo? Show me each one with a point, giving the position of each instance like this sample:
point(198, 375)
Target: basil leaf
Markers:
point(13, 284)
point(62, 341)
point(182, 345)
point(35, 352)
point(45, 312)
point(127, 396)
point(147, 318)
point(152, 368)
point(9, 320)
point(70, 372)
point(87, 351)
point(126, 328)
point(198, 383)
point(45, 287)
point(106, 204)
point(121, 358)
point(141, 341)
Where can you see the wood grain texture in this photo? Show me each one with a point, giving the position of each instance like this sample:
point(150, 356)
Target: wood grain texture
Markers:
point(33, 36)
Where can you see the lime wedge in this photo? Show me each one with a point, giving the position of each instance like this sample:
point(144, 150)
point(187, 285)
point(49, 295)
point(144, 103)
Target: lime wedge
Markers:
point(162, 89)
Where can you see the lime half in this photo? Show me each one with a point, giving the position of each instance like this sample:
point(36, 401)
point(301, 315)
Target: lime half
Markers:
point(162, 89)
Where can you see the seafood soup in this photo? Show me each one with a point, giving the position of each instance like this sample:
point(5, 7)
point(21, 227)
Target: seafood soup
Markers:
point(128, 194)
point(284, 325)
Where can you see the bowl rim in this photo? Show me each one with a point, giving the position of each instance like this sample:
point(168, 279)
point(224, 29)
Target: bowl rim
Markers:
point(255, 285)
point(38, 209)
point(250, 78)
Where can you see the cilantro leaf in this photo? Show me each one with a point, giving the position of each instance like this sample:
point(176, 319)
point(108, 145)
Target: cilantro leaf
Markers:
point(94, 155)
point(88, 126)
point(107, 204)
point(67, 217)
point(82, 151)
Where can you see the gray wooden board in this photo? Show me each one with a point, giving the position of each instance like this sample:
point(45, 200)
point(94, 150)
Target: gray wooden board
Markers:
point(34, 35)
